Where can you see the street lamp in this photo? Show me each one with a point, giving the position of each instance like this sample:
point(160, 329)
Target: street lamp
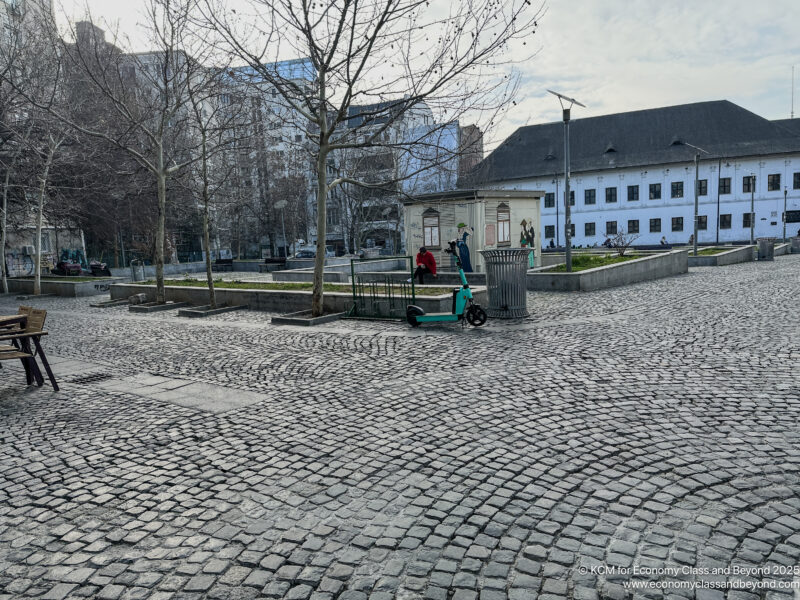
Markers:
point(567, 217)
point(752, 207)
point(281, 206)
point(696, 188)
point(785, 194)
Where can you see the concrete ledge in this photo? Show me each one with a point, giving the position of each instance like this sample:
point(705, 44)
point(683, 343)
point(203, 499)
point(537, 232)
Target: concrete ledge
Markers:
point(275, 300)
point(731, 257)
point(304, 319)
point(153, 307)
point(307, 276)
point(198, 312)
point(66, 288)
point(632, 271)
point(444, 278)
point(781, 249)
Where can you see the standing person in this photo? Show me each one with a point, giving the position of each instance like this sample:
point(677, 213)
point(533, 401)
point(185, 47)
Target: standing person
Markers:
point(425, 264)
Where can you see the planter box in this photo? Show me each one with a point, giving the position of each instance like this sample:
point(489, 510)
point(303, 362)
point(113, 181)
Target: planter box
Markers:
point(731, 257)
point(304, 319)
point(66, 288)
point(274, 300)
point(198, 312)
point(643, 269)
point(152, 307)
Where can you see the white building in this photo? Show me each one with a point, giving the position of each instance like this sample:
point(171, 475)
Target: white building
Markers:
point(636, 172)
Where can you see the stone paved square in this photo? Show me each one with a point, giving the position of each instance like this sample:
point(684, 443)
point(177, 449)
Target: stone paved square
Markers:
point(652, 427)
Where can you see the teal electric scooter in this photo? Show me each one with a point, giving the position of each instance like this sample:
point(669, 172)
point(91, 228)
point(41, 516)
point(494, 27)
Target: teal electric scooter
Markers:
point(463, 304)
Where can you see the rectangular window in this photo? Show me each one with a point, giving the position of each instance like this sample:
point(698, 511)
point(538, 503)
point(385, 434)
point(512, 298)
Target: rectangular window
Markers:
point(774, 182)
point(677, 223)
point(702, 187)
point(549, 200)
point(549, 231)
point(747, 220)
point(571, 197)
point(633, 226)
point(430, 230)
point(702, 222)
point(633, 193)
point(747, 184)
point(724, 221)
point(590, 197)
point(503, 226)
point(724, 185)
point(611, 194)
point(677, 189)
point(571, 230)
point(655, 191)
point(655, 225)
point(611, 228)
point(588, 229)
point(796, 181)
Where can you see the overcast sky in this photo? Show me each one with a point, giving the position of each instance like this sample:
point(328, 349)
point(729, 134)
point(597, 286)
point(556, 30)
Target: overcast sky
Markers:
point(622, 55)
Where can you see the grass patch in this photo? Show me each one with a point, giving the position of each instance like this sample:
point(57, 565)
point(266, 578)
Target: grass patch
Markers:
point(582, 262)
point(711, 251)
point(290, 286)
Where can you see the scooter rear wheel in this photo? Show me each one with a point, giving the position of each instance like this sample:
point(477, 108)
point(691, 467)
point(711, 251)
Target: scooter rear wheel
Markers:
point(476, 316)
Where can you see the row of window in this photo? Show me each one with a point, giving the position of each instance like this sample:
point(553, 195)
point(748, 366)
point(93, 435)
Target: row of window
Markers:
point(589, 229)
point(676, 190)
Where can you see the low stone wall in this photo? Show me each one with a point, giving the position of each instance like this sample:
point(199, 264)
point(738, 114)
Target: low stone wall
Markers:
point(660, 265)
point(731, 257)
point(444, 277)
point(781, 249)
point(66, 288)
point(282, 301)
point(341, 272)
point(550, 259)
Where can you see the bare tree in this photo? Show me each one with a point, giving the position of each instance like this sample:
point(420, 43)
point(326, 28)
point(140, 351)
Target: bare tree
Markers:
point(369, 65)
point(147, 93)
point(621, 241)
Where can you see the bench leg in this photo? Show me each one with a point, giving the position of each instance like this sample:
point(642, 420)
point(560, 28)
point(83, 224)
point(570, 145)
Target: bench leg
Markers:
point(47, 368)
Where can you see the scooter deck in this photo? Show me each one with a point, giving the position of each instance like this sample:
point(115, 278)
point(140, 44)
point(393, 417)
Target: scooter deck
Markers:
point(431, 317)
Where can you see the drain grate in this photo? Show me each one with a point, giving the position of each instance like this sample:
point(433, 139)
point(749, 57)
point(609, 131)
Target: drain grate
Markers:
point(93, 378)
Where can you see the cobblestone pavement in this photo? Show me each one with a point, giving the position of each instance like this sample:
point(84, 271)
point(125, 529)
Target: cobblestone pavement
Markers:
point(650, 427)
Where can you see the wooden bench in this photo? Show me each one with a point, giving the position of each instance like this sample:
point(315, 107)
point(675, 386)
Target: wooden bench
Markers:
point(222, 264)
point(271, 264)
point(16, 334)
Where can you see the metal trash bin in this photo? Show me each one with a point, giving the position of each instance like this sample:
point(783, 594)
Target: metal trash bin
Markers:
point(506, 282)
point(766, 249)
point(795, 248)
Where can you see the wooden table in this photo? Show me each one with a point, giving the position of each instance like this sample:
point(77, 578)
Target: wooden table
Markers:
point(22, 340)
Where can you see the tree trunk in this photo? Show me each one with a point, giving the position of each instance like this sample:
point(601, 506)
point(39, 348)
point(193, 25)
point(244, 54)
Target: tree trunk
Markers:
point(317, 303)
point(161, 228)
point(3, 226)
point(319, 259)
point(212, 296)
point(37, 265)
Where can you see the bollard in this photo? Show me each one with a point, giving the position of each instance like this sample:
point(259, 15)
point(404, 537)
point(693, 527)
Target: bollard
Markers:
point(766, 249)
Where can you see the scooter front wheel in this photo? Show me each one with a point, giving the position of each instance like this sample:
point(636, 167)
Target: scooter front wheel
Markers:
point(476, 316)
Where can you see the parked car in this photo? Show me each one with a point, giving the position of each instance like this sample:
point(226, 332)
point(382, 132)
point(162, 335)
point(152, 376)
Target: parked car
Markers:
point(311, 252)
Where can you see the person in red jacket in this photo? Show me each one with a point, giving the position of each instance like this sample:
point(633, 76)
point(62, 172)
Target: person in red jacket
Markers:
point(425, 264)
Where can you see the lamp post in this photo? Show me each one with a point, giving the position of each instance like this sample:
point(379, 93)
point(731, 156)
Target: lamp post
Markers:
point(281, 206)
point(567, 216)
point(696, 189)
point(752, 207)
point(785, 194)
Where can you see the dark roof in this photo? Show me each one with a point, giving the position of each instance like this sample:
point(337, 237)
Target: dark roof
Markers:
point(638, 138)
point(792, 125)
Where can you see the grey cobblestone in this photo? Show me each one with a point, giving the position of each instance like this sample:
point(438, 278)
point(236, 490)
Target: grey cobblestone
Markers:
point(652, 425)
